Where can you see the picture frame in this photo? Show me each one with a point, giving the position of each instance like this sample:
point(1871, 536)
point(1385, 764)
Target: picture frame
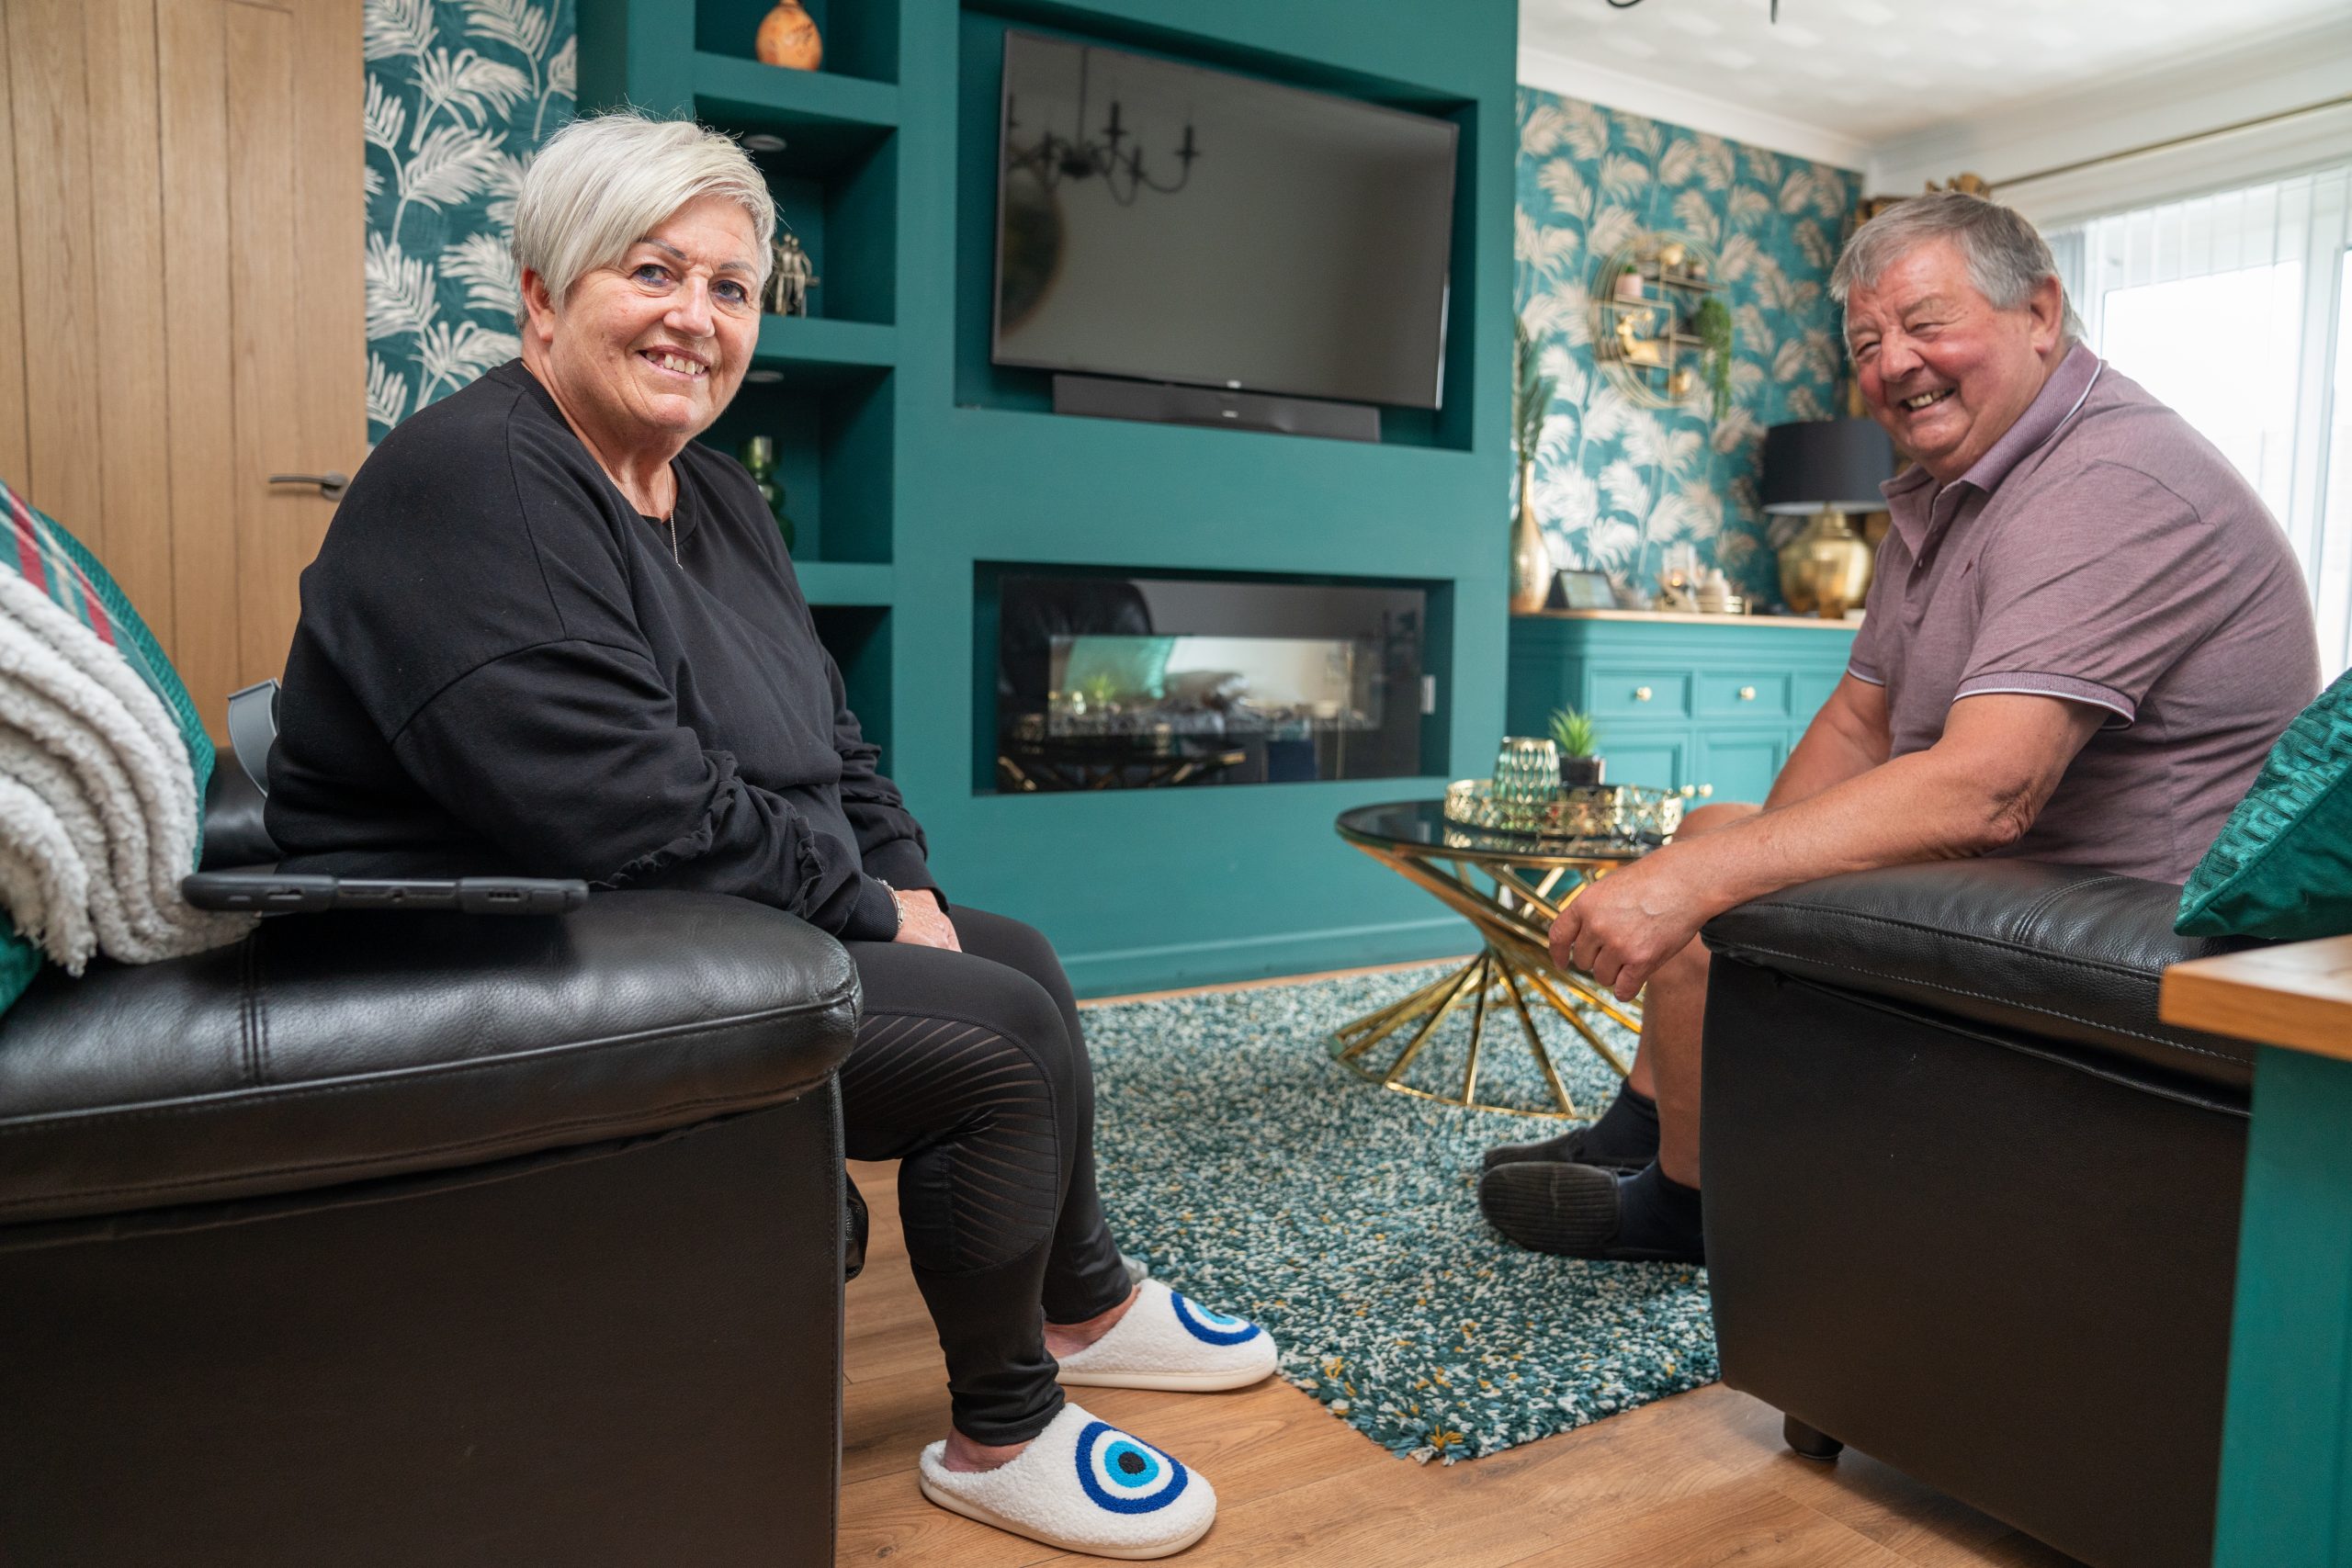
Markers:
point(1574, 589)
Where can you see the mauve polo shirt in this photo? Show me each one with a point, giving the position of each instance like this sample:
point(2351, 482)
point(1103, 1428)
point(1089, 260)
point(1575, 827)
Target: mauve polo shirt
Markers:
point(2106, 553)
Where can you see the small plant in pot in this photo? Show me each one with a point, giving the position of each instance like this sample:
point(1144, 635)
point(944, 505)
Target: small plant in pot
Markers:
point(1577, 736)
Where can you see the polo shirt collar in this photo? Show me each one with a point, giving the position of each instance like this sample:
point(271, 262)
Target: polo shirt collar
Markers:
point(1911, 498)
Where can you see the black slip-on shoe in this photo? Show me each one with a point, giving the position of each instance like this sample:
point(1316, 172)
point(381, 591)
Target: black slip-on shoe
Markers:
point(1568, 1148)
point(1570, 1211)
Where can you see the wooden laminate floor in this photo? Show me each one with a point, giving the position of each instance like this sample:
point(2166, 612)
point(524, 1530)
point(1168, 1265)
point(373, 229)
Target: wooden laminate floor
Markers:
point(1698, 1480)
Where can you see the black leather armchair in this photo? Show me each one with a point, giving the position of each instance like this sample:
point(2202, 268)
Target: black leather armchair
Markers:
point(421, 1238)
point(1970, 1207)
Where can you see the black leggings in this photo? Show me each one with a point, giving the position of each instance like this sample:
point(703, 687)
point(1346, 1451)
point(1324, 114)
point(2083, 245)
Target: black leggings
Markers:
point(970, 1069)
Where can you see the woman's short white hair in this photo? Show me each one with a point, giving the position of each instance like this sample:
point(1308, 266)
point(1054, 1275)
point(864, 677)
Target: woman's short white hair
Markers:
point(602, 183)
point(2007, 257)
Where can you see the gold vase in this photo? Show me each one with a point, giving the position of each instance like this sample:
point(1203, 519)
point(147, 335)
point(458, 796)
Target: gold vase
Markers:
point(1826, 571)
point(1530, 562)
point(788, 36)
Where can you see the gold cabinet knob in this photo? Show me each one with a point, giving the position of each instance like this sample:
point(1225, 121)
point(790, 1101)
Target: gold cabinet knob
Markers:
point(1641, 694)
point(1747, 693)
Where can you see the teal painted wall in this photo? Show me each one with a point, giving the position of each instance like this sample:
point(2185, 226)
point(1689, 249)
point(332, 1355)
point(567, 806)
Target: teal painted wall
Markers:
point(1151, 887)
point(1616, 483)
point(1145, 889)
point(458, 93)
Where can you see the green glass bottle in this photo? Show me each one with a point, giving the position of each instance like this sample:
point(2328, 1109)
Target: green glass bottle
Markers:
point(759, 457)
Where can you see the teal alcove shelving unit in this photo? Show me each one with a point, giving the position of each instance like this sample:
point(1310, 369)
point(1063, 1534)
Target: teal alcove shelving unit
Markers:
point(914, 466)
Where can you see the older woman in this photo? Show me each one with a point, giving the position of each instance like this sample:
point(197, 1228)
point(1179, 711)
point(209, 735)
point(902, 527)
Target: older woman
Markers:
point(550, 634)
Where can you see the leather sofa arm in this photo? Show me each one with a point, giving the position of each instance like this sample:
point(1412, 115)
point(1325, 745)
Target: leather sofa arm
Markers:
point(2052, 950)
point(333, 1048)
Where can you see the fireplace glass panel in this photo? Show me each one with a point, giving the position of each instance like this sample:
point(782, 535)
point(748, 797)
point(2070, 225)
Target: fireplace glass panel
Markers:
point(1124, 683)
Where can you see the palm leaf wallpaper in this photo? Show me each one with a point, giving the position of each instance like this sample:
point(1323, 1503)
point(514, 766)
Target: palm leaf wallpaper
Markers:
point(458, 93)
point(1617, 484)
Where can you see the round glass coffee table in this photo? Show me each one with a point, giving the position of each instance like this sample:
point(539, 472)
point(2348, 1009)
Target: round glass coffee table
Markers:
point(1511, 887)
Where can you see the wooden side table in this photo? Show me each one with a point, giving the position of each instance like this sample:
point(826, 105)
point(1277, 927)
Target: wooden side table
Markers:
point(2286, 1496)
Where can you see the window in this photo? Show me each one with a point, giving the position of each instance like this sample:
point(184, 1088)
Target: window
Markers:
point(2233, 308)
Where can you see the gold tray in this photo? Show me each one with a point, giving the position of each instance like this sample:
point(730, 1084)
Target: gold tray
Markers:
point(1633, 814)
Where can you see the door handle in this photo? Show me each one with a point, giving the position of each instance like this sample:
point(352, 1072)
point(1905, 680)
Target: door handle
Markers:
point(330, 483)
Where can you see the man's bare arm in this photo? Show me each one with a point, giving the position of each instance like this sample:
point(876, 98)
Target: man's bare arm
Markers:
point(1976, 790)
point(1847, 738)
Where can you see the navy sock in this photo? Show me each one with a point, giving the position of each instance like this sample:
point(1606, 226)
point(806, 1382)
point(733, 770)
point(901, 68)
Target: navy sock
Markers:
point(1627, 1130)
point(1658, 1213)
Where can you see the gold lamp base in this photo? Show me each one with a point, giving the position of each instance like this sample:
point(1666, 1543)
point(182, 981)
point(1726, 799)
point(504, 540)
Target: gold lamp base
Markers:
point(1826, 571)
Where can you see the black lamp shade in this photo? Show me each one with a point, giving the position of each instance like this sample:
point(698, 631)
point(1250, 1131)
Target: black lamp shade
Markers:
point(1833, 463)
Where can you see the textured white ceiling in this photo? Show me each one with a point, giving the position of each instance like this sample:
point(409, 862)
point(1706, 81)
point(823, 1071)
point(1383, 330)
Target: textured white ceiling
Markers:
point(1870, 69)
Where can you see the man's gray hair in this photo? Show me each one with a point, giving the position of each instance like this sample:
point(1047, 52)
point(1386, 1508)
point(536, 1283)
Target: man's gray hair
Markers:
point(2007, 257)
point(602, 183)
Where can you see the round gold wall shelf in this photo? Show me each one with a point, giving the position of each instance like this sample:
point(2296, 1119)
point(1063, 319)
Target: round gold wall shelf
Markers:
point(1643, 302)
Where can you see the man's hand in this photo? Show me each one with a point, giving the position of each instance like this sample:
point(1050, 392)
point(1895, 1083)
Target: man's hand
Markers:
point(1620, 929)
point(926, 923)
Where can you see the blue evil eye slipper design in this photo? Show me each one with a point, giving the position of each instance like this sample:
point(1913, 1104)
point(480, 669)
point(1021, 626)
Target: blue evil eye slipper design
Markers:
point(1170, 1342)
point(1081, 1485)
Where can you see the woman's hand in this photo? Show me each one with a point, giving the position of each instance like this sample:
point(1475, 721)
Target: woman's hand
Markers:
point(925, 923)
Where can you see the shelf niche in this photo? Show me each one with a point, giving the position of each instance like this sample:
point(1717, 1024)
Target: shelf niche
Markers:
point(861, 36)
point(834, 448)
point(845, 217)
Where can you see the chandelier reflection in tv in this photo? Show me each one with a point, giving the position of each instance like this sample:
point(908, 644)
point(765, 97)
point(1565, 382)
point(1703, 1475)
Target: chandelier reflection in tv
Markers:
point(1052, 158)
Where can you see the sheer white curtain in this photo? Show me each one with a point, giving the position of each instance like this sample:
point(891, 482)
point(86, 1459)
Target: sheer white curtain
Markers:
point(2232, 307)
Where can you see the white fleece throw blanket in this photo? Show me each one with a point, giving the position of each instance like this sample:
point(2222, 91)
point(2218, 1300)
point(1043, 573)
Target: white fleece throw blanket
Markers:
point(98, 809)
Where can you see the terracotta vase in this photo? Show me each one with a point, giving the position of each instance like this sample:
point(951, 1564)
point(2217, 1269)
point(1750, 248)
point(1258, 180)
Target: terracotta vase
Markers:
point(1530, 562)
point(789, 38)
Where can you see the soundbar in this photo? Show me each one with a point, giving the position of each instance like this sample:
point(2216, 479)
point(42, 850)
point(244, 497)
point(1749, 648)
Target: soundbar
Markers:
point(1157, 403)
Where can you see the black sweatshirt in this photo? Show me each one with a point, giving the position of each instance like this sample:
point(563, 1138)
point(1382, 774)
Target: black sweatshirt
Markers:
point(501, 667)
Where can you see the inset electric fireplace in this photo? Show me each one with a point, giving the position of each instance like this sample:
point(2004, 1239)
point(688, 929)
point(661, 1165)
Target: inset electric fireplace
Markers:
point(1119, 679)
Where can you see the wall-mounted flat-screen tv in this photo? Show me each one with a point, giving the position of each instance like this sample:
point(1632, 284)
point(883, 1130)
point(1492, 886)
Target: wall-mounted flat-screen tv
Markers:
point(1172, 223)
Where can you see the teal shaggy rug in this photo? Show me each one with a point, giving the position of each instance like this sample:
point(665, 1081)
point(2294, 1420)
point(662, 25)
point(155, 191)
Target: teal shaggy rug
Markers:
point(1259, 1175)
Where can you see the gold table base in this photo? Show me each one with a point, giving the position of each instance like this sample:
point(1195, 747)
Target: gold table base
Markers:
point(1515, 917)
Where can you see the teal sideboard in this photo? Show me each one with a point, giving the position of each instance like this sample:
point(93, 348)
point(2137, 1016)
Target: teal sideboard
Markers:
point(1703, 700)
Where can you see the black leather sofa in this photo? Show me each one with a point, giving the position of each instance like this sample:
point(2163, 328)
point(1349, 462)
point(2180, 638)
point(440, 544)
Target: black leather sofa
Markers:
point(1970, 1207)
point(428, 1239)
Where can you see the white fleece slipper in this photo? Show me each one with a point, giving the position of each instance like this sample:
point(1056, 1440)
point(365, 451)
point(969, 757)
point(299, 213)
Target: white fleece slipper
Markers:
point(1081, 1485)
point(1170, 1342)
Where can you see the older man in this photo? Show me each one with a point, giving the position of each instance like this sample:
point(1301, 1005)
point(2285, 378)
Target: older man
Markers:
point(2085, 634)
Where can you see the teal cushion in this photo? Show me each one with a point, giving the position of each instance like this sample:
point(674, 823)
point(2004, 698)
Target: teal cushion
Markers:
point(56, 562)
point(2282, 867)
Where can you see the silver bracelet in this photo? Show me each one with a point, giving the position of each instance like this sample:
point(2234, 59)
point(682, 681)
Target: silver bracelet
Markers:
point(899, 903)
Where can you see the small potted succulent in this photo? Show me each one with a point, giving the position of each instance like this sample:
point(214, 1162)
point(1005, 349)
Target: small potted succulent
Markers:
point(1575, 734)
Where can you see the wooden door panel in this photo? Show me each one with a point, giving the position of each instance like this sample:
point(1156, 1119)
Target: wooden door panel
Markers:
point(15, 459)
point(134, 420)
point(50, 109)
point(181, 301)
point(272, 541)
point(192, 35)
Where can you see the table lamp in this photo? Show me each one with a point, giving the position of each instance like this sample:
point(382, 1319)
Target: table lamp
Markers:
point(1827, 469)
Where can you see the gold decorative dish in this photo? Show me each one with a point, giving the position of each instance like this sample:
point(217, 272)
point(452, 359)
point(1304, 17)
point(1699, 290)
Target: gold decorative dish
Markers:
point(1624, 814)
